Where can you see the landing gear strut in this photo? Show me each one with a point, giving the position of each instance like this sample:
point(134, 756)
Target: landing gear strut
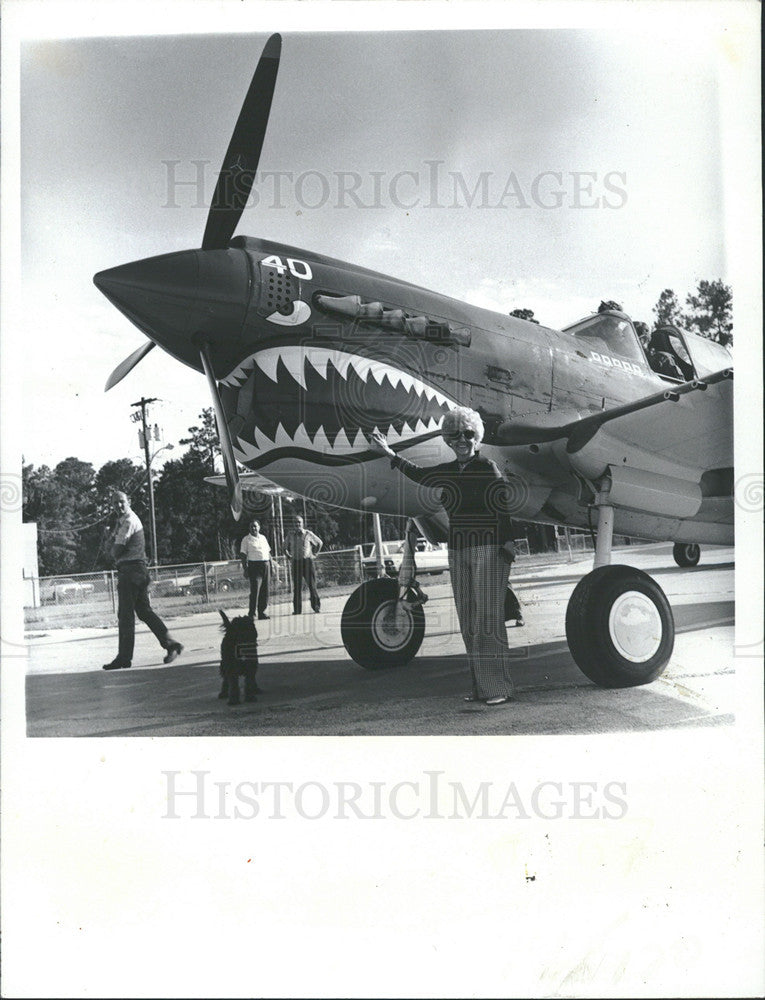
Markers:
point(619, 624)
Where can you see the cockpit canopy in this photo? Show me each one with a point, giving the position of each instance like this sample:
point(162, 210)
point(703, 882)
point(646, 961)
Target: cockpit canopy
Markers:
point(609, 333)
point(697, 356)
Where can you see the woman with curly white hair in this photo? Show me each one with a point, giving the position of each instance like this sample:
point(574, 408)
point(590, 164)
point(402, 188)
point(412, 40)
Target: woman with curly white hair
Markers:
point(475, 497)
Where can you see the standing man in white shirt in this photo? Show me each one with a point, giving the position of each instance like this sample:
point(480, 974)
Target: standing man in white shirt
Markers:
point(302, 545)
point(255, 554)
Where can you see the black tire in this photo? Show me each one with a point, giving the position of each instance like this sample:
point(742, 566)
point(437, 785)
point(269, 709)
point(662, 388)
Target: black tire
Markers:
point(224, 586)
point(686, 553)
point(371, 635)
point(611, 650)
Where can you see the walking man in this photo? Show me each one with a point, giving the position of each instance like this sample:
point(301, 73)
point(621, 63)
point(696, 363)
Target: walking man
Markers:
point(128, 549)
point(255, 554)
point(302, 546)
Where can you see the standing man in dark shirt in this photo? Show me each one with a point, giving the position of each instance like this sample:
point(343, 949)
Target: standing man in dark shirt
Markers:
point(302, 546)
point(474, 496)
point(128, 549)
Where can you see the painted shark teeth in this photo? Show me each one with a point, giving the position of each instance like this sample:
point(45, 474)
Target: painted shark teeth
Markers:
point(263, 443)
point(360, 442)
point(301, 438)
point(245, 452)
point(244, 369)
point(294, 357)
point(321, 442)
point(267, 362)
point(342, 445)
point(282, 439)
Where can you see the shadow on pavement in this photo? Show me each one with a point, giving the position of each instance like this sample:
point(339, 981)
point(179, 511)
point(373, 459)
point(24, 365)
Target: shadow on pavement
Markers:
point(336, 697)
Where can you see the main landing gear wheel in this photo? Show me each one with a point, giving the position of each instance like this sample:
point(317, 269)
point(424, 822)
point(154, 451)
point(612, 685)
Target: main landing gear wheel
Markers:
point(686, 554)
point(377, 629)
point(619, 627)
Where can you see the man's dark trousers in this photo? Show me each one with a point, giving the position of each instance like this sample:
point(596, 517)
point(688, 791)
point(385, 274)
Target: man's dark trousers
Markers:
point(133, 594)
point(304, 569)
point(258, 572)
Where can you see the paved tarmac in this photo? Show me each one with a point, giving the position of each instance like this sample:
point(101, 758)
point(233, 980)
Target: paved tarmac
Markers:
point(312, 687)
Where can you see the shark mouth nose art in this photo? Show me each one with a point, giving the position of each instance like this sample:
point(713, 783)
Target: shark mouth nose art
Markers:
point(322, 404)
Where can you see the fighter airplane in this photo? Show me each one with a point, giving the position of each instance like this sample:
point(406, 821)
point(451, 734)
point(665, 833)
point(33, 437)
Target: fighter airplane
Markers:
point(305, 355)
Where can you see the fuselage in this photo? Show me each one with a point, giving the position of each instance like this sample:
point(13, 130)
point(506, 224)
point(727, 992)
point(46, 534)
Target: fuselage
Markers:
point(311, 354)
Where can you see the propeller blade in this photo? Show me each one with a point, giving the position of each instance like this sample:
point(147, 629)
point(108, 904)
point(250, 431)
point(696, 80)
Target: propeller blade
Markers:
point(229, 462)
point(240, 163)
point(128, 365)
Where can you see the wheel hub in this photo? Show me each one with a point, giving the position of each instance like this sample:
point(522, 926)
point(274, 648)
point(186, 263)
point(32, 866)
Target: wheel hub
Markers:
point(635, 627)
point(392, 625)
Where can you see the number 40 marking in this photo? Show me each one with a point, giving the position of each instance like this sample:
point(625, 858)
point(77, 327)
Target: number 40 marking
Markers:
point(298, 268)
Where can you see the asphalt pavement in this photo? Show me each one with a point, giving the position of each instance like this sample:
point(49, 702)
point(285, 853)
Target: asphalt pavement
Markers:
point(310, 686)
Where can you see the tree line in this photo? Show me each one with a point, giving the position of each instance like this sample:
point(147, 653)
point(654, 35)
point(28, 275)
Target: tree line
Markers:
point(71, 505)
point(708, 311)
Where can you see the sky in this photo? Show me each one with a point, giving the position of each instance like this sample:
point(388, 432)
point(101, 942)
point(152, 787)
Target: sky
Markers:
point(593, 158)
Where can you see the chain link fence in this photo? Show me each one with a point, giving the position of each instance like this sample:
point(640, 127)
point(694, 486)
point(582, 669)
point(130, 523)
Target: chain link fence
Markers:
point(91, 598)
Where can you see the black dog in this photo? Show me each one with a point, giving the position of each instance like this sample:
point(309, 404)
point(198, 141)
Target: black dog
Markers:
point(238, 658)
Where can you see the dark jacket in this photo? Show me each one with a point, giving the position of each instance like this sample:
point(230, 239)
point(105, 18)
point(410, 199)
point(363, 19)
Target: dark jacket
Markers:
point(475, 498)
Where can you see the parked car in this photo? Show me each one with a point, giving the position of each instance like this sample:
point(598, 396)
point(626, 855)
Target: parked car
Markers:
point(429, 558)
point(221, 577)
point(170, 586)
point(66, 590)
point(392, 555)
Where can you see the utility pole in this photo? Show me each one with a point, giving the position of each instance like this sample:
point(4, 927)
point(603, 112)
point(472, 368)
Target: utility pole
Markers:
point(143, 403)
point(281, 521)
point(274, 527)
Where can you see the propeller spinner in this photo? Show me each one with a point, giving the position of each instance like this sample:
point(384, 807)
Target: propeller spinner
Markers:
point(137, 289)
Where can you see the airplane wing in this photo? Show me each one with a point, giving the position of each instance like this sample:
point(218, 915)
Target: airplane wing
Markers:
point(681, 433)
point(250, 481)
